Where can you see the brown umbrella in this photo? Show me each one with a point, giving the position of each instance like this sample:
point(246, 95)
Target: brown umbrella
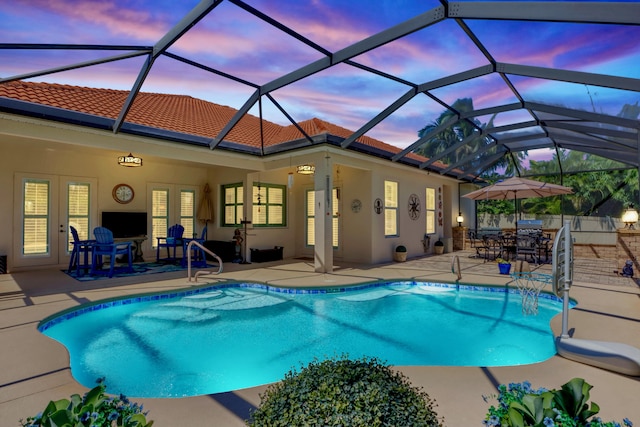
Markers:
point(517, 188)
point(205, 210)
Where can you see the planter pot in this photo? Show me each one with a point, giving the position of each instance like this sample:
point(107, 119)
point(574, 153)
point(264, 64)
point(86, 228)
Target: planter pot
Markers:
point(438, 250)
point(504, 268)
point(399, 256)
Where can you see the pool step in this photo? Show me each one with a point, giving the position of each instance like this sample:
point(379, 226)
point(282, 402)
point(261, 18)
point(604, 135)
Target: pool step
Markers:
point(226, 303)
point(176, 314)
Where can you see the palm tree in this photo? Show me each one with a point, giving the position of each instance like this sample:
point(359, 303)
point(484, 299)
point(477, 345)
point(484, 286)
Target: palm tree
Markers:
point(459, 131)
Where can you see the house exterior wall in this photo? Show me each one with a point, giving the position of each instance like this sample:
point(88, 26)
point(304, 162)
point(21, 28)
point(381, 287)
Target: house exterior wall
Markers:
point(411, 232)
point(31, 146)
point(38, 157)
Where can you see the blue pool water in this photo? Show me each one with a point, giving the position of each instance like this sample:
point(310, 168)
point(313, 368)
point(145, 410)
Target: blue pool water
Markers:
point(227, 337)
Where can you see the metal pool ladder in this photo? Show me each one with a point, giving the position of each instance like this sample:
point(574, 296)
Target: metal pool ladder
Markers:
point(455, 266)
point(201, 272)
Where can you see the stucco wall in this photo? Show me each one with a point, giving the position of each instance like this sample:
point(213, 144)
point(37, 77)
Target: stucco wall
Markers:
point(40, 148)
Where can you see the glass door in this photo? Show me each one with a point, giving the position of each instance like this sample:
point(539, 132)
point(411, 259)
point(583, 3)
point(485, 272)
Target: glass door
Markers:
point(44, 207)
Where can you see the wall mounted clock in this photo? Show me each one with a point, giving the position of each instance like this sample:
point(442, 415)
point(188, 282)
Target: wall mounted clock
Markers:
point(414, 207)
point(356, 205)
point(122, 193)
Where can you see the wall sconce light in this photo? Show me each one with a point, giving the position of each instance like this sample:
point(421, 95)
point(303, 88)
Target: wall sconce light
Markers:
point(130, 161)
point(306, 169)
point(460, 219)
point(630, 217)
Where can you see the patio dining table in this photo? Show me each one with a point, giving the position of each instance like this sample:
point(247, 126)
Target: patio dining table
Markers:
point(505, 246)
point(491, 247)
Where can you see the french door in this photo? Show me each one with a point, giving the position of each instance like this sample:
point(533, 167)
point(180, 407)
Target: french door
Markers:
point(336, 220)
point(44, 208)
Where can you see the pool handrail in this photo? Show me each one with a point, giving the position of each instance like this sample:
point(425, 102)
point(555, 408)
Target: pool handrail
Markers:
point(199, 273)
point(455, 262)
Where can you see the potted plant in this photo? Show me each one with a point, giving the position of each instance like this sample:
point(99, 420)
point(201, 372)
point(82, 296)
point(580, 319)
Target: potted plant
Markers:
point(519, 405)
point(400, 254)
point(95, 408)
point(438, 247)
point(503, 265)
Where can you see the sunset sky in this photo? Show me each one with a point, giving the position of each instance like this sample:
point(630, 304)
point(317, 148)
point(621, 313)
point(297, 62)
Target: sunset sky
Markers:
point(231, 40)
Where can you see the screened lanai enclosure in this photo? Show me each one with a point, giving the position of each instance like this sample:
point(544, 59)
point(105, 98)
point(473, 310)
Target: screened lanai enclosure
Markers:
point(480, 90)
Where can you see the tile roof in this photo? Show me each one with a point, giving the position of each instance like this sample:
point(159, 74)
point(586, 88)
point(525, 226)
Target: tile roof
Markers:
point(178, 113)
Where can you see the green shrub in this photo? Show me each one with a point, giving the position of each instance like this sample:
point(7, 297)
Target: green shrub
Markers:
point(94, 409)
point(519, 405)
point(343, 392)
point(401, 248)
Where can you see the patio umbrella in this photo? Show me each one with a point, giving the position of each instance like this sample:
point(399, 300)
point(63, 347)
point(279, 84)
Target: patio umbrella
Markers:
point(205, 210)
point(517, 188)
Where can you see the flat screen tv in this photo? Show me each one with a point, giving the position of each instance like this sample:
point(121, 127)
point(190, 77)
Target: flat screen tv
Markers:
point(125, 224)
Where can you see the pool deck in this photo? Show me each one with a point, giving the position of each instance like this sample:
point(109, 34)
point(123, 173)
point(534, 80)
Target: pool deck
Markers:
point(35, 369)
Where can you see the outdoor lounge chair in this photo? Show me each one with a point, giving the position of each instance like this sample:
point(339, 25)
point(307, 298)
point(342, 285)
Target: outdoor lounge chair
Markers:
point(172, 240)
point(106, 246)
point(80, 247)
point(198, 256)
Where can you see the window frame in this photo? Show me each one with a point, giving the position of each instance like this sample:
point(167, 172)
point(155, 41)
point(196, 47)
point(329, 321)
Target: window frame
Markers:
point(391, 207)
point(46, 217)
point(267, 204)
point(238, 203)
point(430, 214)
point(83, 233)
point(188, 221)
point(156, 229)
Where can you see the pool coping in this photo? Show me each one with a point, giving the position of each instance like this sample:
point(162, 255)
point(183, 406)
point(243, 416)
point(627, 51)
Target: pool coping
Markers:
point(93, 306)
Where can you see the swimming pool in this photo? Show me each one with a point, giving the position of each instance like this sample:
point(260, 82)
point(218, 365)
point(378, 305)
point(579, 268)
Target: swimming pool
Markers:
point(226, 337)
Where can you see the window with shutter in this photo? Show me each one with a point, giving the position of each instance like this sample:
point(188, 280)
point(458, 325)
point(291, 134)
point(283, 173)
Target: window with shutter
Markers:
point(390, 208)
point(188, 212)
point(35, 214)
point(232, 204)
point(430, 205)
point(78, 212)
point(159, 214)
point(269, 205)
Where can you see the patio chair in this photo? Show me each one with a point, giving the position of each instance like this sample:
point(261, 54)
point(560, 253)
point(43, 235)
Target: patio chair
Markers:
point(80, 247)
point(475, 243)
point(173, 240)
point(105, 245)
point(198, 257)
point(493, 246)
point(527, 246)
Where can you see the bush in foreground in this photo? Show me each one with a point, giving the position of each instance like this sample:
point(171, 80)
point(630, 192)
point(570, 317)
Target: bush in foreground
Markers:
point(519, 405)
point(94, 409)
point(343, 392)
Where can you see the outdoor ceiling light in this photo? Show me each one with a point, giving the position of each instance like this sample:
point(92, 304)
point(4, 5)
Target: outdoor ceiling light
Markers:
point(306, 169)
point(630, 217)
point(130, 161)
point(460, 219)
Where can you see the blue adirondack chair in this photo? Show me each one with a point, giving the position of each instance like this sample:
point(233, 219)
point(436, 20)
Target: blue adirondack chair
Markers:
point(172, 240)
point(82, 250)
point(198, 256)
point(106, 246)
